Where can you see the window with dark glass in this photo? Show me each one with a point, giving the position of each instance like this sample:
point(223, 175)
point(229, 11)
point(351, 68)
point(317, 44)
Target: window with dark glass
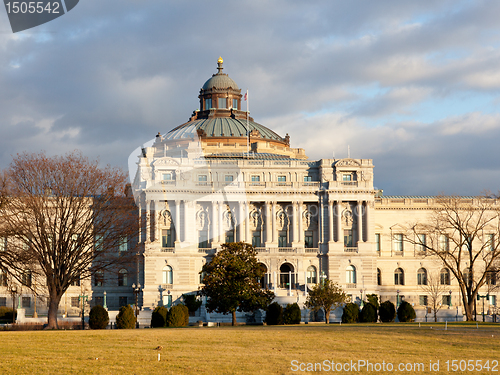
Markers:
point(203, 239)
point(208, 103)
point(256, 239)
point(75, 302)
point(281, 178)
point(399, 277)
point(308, 240)
point(348, 238)
point(307, 178)
point(445, 277)
point(166, 238)
point(235, 103)
point(377, 242)
point(122, 301)
point(229, 237)
point(26, 302)
point(282, 242)
point(422, 276)
point(222, 103)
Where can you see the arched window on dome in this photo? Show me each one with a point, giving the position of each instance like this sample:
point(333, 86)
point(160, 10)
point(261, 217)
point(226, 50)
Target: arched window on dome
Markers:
point(208, 104)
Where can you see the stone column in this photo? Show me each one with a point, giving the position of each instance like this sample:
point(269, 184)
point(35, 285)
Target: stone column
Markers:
point(295, 238)
point(241, 220)
point(248, 238)
point(338, 204)
point(301, 230)
point(268, 219)
point(185, 223)
point(148, 223)
point(359, 218)
point(222, 235)
point(367, 220)
point(139, 208)
point(274, 228)
point(330, 220)
point(213, 226)
point(177, 221)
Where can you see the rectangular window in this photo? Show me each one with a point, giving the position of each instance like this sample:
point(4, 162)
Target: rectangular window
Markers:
point(398, 242)
point(202, 178)
point(377, 242)
point(282, 242)
point(166, 238)
point(308, 240)
point(203, 239)
point(123, 244)
point(422, 300)
point(99, 278)
point(491, 242)
point(348, 238)
point(235, 103)
point(444, 242)
point(208, 104)
point(229, 237)
point(222, 103)
point(3, 301)
point(26, 302)
point(347, 177)
point(256, 239)
point(281, 178)
point(228, 178)
point(421, 242)
point(307, 178)
point(493, 300)
point(75, 302)
point(167, 176)
point(255, 178)
point(447, 300)
point(122, 301)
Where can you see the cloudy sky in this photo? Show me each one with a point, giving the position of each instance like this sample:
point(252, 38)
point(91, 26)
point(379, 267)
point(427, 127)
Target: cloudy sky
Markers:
point(413, 85)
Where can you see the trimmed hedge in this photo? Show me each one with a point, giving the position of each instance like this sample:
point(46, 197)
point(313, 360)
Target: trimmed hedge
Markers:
point(292, 314)
point(98, 317)
point(178, 316)
point(6, 314)
point(351, 313)
point(406, 313)
point(387, 312)
point(125, 318)
point(274, 315)
point(159, 317)
point(368, 314)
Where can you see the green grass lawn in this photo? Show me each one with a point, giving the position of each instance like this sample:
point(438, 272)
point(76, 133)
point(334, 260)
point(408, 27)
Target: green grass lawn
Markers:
point(246, 349)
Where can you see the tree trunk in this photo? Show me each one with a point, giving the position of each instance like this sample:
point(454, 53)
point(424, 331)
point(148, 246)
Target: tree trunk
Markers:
point(234, 318)
point(435, 316)
point(52, 314)
point(327, 316)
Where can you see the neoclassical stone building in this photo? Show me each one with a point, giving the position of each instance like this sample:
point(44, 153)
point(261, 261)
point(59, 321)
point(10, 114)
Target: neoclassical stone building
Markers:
point(205, 182)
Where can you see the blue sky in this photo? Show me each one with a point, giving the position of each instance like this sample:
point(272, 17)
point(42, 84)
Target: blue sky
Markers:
point(415, 86)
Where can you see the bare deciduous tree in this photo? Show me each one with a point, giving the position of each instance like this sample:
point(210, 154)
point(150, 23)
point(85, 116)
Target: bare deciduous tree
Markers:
point(464, 234)
point(435, 291)
point(64, 219)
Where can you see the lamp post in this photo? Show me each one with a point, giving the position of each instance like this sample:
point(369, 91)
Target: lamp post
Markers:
point(397, 298)
point(450, 304)
point(483, 297)
point(82, 298)
point(361, 291)
point(105, 305)
point(137, 290)
point(14, 293)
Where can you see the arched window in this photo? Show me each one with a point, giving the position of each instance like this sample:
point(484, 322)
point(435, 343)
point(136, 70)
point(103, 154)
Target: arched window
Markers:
point(350, 274)
point(122, 277)
point(379, 277)
point(286, 275)
point(445, 277)
point(167, 275)
point(312, 275)
point(422, 276)
point(399, 277)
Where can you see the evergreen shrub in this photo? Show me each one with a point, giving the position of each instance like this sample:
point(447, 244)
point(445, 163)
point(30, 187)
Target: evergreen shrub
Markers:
point(177, 316)
point(125, 318)
point(292, 314)
point(98, 317)
point(406, 313)
point(350, 313)
point(274, 315)
point(159, 317)
point(368, 314)
point(387, 312)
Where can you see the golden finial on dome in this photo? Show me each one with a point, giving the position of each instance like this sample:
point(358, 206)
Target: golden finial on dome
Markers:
point(219, 65)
